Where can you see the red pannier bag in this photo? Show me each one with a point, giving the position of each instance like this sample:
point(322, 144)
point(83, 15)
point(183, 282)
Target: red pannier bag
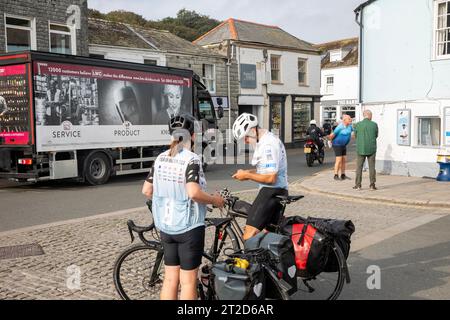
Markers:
point(311, 246)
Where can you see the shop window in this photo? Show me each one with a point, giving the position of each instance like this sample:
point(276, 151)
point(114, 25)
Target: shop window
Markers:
point(442, 29)
point(302, 76)
point(209, 77)
point(20, 34)
point(429, 131)
point(151, 62)
point(62, 39)
point(275, 68)
point(301, 115)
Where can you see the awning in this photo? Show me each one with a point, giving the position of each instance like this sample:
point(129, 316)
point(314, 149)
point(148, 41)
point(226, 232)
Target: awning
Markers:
point(254, 100)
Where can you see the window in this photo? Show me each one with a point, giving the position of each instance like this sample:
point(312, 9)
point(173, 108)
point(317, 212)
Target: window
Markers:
point(209, 77)
point(335, 55)
point(329, 85)
point(429, 131)
point(151, 62)
point(62, 39)
point(19, 34)
point(301, 115)
point(97, 56)
point(302, 65)
point(442, 27)
point(275, 68)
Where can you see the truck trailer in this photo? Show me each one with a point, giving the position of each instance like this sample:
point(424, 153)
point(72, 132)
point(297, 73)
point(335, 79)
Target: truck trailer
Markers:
point(64, 116)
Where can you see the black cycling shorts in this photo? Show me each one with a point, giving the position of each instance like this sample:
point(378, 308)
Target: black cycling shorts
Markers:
point(340, 151)
point(184, 250)
point(266, 209)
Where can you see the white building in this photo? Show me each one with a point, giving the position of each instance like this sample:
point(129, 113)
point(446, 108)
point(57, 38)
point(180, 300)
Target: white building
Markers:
point(279, 75)
point(405, 68)
point(339, 80)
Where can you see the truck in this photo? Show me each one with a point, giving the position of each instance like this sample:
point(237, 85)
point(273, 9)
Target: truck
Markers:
point(64, 116)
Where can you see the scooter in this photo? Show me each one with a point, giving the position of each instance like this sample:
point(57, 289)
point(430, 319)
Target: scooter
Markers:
point(311, 151)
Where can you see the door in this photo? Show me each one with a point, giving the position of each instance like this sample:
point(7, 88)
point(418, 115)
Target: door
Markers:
point(276, 122)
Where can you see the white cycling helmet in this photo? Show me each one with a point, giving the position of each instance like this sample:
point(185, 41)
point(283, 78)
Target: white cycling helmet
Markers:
point(243, 124)
point(313, 122)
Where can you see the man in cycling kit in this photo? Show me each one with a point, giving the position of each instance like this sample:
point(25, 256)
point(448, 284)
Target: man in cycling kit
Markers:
point(271, 173)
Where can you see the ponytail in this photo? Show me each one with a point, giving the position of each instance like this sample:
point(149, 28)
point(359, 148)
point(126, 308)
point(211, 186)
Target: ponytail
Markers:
point(174, 148)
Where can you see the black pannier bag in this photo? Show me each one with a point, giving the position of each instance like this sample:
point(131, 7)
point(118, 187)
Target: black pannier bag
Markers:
point(281, 250)
point(234, 283)
point(311, 246)
point(342, 231)
point(322, 257)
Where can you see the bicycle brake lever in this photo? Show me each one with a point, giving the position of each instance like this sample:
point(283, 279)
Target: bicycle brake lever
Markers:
point(131, 234)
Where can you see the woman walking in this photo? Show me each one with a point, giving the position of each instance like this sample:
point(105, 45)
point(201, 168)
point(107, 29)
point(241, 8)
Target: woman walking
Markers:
point(176, 185)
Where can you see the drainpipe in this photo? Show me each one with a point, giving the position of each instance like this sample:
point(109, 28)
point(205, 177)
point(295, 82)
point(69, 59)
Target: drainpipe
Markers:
point(359, 14)
point(230, 57)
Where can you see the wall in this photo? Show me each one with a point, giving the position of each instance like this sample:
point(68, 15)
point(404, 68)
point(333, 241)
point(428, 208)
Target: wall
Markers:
point(44, 11)
point(345, 83)
point(398, 60)
point(128, 54)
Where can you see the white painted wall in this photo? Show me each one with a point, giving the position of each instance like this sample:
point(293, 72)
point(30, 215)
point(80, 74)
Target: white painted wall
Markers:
point(345, 83)
point(129, 55)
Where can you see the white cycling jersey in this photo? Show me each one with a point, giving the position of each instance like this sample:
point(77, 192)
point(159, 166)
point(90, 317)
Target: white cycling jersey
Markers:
point(270, 157)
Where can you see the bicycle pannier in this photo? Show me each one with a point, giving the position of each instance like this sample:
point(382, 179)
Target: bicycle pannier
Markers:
point(310, 246)
point(281, 250)
point(234, 283)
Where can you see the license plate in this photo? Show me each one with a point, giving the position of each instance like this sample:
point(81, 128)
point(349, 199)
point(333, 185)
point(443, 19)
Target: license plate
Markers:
point(307, 150)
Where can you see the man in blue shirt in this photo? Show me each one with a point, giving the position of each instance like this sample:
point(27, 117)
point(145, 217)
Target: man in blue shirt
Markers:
point(341, 136)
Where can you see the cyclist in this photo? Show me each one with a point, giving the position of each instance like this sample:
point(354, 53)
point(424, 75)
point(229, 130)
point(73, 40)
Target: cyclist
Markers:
point(176, 185)
point(271, 173)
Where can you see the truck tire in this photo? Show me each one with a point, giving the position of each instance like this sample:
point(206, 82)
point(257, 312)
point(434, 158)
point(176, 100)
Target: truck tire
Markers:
point(97, 168)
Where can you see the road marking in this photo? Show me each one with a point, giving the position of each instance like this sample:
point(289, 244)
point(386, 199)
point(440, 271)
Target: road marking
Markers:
point(381, 235)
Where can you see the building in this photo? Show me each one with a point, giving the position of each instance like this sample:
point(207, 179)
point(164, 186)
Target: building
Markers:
point(339, 80)
point(405, 67)
point(279, 75)
point(55, 26)
point(119, 41)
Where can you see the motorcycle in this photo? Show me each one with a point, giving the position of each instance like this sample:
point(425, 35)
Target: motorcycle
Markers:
point(312, 153)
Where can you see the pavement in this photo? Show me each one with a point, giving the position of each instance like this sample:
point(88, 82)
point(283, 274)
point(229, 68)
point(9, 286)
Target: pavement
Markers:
point(408, 242)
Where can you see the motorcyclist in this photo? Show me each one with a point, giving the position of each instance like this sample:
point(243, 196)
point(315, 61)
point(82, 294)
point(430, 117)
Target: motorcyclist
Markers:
point(316, 135)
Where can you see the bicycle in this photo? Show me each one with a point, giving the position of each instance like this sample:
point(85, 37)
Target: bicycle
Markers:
point(224, 229)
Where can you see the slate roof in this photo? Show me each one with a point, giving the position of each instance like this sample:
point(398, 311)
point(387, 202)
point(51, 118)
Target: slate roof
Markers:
point(251, 32)
point(110, 33)
point(349, 47)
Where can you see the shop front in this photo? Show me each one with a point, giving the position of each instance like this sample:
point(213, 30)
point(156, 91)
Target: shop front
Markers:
point(333, 110)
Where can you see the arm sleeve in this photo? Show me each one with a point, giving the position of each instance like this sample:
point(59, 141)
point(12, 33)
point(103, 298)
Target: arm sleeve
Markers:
point(150, 174)
point(193, 171)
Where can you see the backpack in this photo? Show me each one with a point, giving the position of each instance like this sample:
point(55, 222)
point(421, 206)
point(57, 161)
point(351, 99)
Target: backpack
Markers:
point(235, 283)
point(281, 250)
point(311, 246)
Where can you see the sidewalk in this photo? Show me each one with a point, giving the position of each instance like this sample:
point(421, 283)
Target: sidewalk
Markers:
point(392, 189)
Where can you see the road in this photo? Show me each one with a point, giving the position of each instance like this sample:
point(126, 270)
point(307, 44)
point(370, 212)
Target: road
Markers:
point(24, 205)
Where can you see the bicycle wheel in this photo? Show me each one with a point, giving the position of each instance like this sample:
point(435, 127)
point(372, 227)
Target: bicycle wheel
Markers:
point(138, 272)
point(326, 285)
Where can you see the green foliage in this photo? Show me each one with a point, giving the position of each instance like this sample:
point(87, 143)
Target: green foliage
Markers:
point(187, 24)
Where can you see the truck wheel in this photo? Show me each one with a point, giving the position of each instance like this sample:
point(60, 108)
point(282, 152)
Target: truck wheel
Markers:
point(97, 168)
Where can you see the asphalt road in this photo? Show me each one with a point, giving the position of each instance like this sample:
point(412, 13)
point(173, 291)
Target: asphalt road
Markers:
point(24, 205)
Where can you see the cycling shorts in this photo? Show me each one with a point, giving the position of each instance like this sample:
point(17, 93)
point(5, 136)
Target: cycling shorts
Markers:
point(340, 151)
point(185, 249)
point(266, 209)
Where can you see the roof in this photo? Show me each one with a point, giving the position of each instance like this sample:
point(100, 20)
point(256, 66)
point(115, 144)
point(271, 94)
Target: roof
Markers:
point(251, 32)
point(364, 4)
point(110, 33)
point(349, 46)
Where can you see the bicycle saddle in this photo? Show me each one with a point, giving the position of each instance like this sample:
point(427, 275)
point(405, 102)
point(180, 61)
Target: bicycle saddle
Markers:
point(290, 198)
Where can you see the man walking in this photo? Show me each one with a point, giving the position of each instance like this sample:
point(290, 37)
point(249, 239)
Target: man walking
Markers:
point(366, 134)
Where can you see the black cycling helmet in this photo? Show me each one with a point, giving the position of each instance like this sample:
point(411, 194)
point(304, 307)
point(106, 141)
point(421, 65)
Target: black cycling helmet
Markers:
point(182, 121)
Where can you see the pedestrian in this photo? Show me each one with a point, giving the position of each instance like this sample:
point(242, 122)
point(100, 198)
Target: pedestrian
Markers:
point(340, 138)
point(176, 184)
point(366, 134)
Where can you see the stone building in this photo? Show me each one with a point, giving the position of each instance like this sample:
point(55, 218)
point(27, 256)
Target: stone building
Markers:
point(44, 25)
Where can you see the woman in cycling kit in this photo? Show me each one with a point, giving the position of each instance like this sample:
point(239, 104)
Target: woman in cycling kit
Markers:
point(176, 185)
point(271, 173)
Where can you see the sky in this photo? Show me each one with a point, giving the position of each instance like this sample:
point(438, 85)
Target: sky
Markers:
point(316, 21)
